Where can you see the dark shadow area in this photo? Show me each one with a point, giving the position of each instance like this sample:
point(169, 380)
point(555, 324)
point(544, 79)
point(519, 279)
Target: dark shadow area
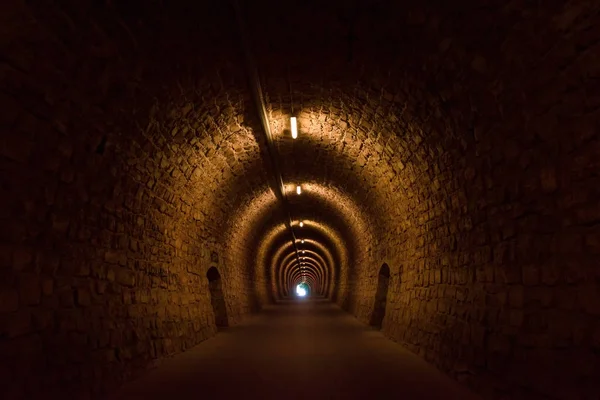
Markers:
point(383, 283)
point(216, 297)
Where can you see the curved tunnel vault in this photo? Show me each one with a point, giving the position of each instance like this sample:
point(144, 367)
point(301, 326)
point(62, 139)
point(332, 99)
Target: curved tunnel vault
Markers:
point(456, 144)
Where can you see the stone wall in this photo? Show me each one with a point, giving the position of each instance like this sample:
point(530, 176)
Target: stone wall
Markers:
point(469, 141)
point(458, 145)
point(115, 159)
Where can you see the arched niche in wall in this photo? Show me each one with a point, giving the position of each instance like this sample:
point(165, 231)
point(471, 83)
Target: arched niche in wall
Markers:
point(217, 298)
point(380, 303)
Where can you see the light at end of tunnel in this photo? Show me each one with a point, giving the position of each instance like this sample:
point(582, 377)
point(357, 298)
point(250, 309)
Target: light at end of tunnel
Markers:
point(300, 290)
point(301, 224)
point(294, 127)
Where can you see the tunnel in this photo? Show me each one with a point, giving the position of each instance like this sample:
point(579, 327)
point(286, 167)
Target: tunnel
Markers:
point(428, 170)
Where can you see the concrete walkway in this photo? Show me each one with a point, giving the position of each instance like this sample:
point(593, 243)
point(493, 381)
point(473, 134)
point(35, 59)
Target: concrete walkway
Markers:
point(306, 349)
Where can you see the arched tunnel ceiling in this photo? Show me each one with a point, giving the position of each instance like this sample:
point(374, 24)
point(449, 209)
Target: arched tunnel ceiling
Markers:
point(384, 108)
point(358, 144)
point(371, 133)
point(433, 137)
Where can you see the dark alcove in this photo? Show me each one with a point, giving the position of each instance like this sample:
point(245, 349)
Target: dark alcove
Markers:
point(216, 297)
point(380, 296)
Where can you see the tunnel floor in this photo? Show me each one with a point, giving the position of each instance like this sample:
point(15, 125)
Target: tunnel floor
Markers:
point(296, 350)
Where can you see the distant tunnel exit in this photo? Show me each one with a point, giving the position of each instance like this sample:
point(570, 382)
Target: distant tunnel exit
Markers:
point(302, 290)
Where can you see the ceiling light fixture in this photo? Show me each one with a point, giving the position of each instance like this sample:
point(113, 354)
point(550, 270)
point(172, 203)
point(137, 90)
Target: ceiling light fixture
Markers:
point(294, 126)
point(298, 189)
point(301, 224)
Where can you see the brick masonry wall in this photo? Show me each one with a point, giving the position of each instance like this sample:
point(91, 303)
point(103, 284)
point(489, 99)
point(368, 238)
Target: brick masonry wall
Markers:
point(116, 156)
point(470, 143)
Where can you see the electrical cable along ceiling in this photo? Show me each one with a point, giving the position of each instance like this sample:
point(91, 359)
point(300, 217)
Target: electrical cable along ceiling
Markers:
point(277, 132)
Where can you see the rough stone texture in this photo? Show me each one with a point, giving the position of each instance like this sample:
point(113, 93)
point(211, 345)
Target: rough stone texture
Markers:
point(479, 173)
point(456, 144)
point(118, 156)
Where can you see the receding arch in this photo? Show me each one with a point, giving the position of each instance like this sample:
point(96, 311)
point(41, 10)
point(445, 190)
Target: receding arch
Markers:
point(380, 303)
point(217, 298)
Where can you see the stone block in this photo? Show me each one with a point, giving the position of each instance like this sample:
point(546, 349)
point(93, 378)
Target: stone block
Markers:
point(6, 255)
point(22, 258)
point(67, 298)
point(60, 223)
point(509, 274)
point(589, 298)
point(9, 300)
point(16, 147)
point(83, 297)
point(516, 296)
point(531, 274)
point(548, 180)
point(497, 343)
point(516, 318)
point(113, 257)
point(125, 277)
point(18, 323)
point(47, 286)
point(43, 319)
point(84, 269)
point(111, 274)
point(551, 274)
point(596, 337)
point(101, 287)
point(541, 295)
point(30, 290)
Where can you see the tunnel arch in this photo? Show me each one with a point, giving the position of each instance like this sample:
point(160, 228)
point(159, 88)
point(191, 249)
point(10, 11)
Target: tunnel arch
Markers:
point(461, 145)
point(331, 238)
point(310, 267)
point(290, 264)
